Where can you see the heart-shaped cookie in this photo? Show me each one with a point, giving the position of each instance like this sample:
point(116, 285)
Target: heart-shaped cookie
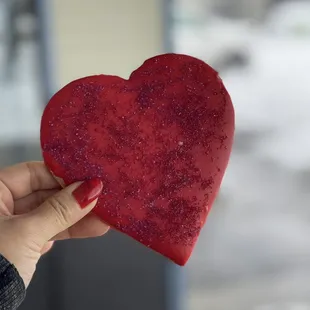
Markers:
point(160, 142)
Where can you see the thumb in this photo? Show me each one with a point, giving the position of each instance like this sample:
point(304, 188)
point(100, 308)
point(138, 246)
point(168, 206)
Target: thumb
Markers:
point(65, 208)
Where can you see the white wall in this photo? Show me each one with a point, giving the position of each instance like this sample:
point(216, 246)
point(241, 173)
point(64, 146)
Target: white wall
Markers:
point(104, 36)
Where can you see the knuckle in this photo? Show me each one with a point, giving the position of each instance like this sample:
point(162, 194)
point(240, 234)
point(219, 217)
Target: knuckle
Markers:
point(32, 175)
point(61, 209)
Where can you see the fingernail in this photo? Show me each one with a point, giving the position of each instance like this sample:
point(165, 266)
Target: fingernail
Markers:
point(87, 192)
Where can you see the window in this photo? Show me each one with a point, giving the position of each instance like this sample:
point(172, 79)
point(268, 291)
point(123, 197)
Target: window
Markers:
point(254, 252)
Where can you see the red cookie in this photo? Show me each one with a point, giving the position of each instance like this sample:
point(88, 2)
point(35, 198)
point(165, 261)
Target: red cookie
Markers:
point(160, 142)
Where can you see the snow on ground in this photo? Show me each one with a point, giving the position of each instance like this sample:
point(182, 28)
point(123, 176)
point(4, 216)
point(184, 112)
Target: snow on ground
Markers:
point(274, 94)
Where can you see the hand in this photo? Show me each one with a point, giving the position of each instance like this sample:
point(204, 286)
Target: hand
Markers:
point(34, 212)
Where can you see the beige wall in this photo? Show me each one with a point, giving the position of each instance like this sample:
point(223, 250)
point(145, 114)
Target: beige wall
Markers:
point(104, 36)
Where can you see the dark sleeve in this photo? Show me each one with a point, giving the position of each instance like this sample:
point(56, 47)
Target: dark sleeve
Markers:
point(12, 288)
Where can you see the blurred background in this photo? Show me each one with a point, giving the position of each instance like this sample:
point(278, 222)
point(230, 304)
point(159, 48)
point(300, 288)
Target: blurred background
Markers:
point(254, 253)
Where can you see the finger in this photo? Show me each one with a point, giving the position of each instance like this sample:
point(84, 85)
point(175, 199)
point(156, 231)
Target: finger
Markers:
point(63, 210)
point(32, 201)
point(88, 227)
point(26, 178)
point(47, 247)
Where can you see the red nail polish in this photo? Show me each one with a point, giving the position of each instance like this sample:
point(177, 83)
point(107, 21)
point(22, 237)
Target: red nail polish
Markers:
point(87, 192)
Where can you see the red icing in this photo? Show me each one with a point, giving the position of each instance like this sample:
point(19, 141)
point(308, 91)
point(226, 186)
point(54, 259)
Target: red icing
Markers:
point(160, 142)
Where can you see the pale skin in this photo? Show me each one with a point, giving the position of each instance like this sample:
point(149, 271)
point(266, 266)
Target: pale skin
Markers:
point(35, 212)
